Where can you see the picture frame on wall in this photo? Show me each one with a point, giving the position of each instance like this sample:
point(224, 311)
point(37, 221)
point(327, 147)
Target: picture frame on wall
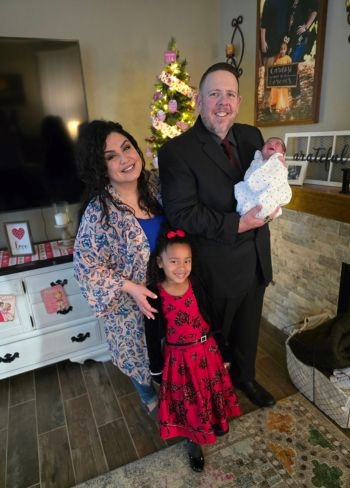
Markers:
point(19, 238)
point(289, 57)
point(296, 172)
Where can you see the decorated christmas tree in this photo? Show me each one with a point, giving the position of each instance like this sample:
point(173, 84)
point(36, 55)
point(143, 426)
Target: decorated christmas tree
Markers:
point(173, 104)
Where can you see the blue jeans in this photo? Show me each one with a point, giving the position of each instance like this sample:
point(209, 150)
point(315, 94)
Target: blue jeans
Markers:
point(147, 393)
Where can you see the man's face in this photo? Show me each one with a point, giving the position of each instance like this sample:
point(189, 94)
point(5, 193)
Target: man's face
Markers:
point(218, 102)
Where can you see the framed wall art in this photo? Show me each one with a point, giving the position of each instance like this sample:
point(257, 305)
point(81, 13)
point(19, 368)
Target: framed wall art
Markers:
point(19, 238)
point(289, 57)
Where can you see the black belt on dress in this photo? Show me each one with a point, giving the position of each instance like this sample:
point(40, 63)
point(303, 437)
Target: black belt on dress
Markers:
point(204, 338)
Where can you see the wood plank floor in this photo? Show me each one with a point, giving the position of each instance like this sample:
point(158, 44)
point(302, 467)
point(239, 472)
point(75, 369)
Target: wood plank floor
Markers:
point(66, 423)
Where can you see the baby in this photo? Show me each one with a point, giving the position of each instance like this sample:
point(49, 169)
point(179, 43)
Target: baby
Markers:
point(265, 181)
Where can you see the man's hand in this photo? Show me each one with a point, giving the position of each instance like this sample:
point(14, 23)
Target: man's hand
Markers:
point(249, 220)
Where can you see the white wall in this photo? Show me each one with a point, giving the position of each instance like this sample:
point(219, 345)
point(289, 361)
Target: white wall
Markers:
point(334, 100)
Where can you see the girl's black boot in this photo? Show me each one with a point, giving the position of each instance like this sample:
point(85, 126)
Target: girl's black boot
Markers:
point(195, 455)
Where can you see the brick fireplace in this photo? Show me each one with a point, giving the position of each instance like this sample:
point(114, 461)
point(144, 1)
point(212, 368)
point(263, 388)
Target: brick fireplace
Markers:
point(308, 256)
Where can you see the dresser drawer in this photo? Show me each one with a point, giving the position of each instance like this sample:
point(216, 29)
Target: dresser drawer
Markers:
point(20, 321)
point(36, 283)
point(41, 349)
point(11, 287)
point(80, 310)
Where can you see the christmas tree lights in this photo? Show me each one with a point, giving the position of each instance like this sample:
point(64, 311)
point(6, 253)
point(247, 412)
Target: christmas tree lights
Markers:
point(173, 103)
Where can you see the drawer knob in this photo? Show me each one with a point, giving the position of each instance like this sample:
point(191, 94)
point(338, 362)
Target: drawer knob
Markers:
point(59, 282)
point(80, 337)
point(8, 358)
point(66, 310)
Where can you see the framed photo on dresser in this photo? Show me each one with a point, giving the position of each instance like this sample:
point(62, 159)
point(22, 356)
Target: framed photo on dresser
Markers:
point(19, 238)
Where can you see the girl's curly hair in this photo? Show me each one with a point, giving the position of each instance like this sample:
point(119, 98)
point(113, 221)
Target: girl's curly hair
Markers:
point(92, 166)
point(167, 237)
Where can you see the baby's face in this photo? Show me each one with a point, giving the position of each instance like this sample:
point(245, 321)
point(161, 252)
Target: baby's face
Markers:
point(270, 147)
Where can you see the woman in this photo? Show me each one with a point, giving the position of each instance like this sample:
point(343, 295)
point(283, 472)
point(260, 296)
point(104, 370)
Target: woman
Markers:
point(117, 232)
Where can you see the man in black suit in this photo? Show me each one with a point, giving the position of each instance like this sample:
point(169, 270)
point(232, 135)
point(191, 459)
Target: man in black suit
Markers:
point(197, 177)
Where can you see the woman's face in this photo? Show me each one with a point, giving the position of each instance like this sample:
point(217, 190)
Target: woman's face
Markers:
point(124, 164)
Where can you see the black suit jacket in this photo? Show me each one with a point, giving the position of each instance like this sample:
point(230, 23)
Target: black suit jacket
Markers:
point(197, 181)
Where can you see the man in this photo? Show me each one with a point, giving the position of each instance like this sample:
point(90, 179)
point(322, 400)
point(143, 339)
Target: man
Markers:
point(197, 179)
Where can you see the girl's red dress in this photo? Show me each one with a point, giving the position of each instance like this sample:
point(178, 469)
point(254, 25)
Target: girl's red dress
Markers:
point(196, 391)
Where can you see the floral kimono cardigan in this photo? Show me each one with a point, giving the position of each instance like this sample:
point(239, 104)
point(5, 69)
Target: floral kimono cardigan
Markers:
point(105, 256)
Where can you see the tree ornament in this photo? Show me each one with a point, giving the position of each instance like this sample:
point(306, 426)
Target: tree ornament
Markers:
point(161, 115)
point(172, 105)
point(157, 95)
point(169, 57)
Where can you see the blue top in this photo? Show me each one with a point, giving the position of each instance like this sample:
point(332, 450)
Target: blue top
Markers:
point(151, 227)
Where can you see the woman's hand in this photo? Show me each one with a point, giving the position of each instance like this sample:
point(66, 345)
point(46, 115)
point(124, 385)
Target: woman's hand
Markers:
point(140, 294)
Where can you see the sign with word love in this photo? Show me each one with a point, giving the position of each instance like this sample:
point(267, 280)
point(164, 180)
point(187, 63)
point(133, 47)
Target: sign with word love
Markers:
point(19, 238)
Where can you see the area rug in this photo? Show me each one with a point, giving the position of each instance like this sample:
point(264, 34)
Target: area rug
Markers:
point(290, 445)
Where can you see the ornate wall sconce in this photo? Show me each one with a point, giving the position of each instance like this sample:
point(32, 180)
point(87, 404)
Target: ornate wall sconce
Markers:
point(234, 48)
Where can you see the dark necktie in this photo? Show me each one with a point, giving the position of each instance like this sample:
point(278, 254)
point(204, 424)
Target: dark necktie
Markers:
point(228, 149)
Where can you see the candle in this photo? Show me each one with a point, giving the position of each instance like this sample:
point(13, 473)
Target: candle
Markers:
point(61, 218)
point(230, 50)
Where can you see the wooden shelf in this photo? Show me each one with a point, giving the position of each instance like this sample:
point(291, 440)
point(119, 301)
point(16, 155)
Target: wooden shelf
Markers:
point(323, 201)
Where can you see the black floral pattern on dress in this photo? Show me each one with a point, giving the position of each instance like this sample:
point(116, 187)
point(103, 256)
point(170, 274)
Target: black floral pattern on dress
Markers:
point(203, 363)
point(197, 322)
point(170, 307)
point(182, 318)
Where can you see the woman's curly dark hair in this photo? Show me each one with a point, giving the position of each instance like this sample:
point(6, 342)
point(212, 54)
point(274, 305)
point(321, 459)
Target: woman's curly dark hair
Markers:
point(92, 165)
point(167, 237)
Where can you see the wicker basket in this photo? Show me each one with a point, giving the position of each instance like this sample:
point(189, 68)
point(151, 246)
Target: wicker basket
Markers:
point(313, 384)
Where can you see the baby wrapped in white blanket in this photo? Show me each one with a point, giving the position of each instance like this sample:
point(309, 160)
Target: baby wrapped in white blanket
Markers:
point(265, 181)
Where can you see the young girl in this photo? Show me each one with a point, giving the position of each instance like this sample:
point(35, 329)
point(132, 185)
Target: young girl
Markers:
point(196, 395)
point(280, 96)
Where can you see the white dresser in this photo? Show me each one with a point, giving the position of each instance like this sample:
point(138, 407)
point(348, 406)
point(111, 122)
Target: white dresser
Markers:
point(35, 337)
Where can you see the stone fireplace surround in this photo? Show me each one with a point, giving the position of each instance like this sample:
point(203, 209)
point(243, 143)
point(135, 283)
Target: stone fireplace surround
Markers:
point(307, 255)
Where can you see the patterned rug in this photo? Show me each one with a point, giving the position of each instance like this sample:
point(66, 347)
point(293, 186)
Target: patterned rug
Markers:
point(290, 445)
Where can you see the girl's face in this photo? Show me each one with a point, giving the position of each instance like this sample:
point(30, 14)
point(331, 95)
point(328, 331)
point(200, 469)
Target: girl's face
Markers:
point(176, 262)
point(124, 164)
point(283, 49)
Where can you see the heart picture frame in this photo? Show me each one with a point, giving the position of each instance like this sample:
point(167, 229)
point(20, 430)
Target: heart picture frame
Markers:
point(19, 238)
